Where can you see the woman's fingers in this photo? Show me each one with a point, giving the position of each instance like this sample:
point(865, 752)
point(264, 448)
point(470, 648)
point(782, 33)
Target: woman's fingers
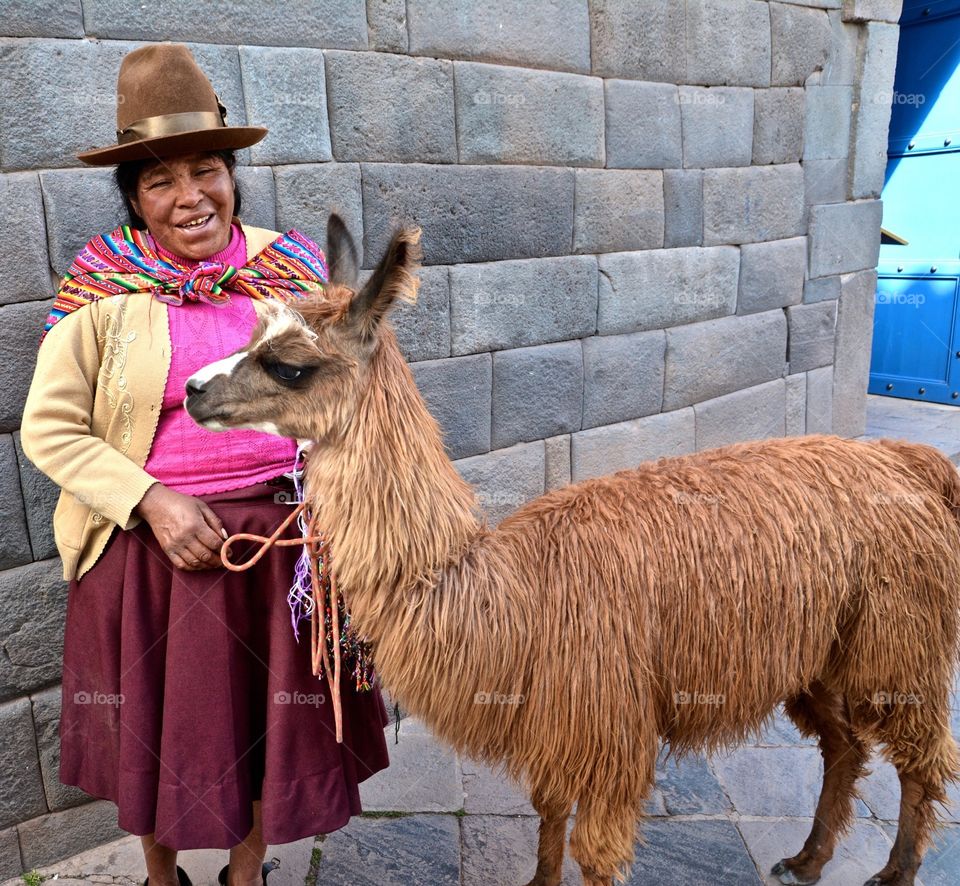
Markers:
point(212, 521)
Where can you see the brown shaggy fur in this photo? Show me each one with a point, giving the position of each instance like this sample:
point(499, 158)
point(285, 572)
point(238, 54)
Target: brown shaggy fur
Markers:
point(818, 572)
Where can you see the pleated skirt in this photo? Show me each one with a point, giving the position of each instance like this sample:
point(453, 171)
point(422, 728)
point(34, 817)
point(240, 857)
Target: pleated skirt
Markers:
point(186, 696)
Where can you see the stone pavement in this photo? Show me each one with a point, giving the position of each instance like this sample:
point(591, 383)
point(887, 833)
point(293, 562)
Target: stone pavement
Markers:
point(433, 819)
point(931, 423)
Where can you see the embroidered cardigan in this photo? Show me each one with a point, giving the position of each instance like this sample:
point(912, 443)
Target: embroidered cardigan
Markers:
point(92, 411)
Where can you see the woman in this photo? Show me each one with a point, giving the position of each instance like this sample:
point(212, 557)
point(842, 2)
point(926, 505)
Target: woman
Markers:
point(186, 698)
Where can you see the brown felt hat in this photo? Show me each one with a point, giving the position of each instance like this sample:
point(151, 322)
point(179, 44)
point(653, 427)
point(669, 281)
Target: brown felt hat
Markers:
point(167, 106)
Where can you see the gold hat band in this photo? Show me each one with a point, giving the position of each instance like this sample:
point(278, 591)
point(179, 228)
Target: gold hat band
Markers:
point(169, 124)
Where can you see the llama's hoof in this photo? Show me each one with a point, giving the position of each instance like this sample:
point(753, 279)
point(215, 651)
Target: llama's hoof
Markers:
point(788, 877)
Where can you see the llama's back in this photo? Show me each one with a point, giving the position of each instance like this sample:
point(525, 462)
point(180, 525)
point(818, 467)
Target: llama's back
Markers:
point(716, 584)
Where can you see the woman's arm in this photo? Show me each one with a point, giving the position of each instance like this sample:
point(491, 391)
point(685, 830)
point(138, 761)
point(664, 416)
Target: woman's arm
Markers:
point(56, 429)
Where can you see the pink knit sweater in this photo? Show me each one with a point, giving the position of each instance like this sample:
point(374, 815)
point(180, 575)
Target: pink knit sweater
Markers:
point(183, 455)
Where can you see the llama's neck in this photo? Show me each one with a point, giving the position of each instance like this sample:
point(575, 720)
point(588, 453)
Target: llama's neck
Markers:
point(396, 509)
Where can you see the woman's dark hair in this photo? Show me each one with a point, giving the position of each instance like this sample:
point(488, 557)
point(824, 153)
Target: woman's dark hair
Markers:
point(127, 176)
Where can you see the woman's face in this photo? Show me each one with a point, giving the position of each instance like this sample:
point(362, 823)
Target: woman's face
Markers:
point(187, 204)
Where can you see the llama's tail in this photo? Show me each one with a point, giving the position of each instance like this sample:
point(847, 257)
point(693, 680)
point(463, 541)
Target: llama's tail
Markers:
point(929, 464)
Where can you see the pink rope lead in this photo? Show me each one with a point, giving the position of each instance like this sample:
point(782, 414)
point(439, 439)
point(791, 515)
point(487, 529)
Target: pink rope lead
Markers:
point(319, 547)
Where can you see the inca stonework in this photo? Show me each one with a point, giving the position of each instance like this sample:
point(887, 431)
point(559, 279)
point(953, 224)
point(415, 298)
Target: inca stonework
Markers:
point(648, 228)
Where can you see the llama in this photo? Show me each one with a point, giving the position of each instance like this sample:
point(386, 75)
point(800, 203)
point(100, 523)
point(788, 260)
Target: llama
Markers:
point(818, 572)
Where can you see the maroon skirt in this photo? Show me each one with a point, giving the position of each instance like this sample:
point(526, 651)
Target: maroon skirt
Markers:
point(186, 696)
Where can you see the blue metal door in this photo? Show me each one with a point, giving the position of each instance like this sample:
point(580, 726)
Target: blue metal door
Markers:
point(916, 343)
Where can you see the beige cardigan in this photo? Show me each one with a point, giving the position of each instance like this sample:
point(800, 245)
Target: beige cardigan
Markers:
point(92, 412)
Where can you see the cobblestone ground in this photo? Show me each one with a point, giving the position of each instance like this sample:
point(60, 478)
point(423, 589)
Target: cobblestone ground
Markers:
point(438, 820)
point(433, 819)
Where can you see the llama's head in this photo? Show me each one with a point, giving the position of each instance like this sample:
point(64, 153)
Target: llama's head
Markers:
point(307, 364)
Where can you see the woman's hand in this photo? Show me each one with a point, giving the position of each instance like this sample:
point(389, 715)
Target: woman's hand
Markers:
point(188, 531)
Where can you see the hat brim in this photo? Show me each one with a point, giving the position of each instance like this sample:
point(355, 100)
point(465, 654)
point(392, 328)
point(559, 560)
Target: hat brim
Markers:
point(161, 147)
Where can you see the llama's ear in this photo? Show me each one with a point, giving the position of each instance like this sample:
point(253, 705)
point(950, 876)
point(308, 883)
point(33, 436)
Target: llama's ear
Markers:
point(394, 278)
point(343, 263)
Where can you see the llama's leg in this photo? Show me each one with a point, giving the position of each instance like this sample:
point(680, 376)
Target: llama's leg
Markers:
point(823, 713)
point(602, 838)
point(924, 767)
point(553, 835)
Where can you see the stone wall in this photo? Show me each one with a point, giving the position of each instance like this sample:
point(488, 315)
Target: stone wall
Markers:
point(648, 228)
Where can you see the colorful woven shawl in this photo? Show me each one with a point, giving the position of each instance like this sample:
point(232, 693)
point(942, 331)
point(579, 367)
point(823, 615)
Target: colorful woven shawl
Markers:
point(122, 262)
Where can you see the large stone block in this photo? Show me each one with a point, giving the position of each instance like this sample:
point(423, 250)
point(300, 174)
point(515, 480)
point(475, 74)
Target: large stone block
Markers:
point(512, 115)
point(872, 121)
point(391, 107)
point(553, 34)
point(31, 626)
point(506, 479)
point(825, 181)
point(258, 196)
point(643, 129)
point(50, 838)
point(717, 126)
point(80, 203)
point(796, 404)
point(800, 41)
point(844, 237)
point(683, 207)
point(778, 125)
point(24, 266)
point(515, 303)
point(752, 414)
point(423, 329)
point(605, 450)
point(821, 289)
point(851, 370)
point(841, 66)
point(21, 785)
point(666, 287)
point(387, 25)
point(701, 363)
point(470, 213)
point(20, 329)
point(872, 10)
point(728, 43)
point(639, 41)
point(308, 193)
point(46, 718)
point(622, 377)
point(616, 210)
point(752, 204)
point(827, 116)
point(42, 18)
point(15, 540)
point(538, 392)
point(820, 401)
point(40, 496)
point(771, 274)
point(37, 101)
point(284, 90)
point(457, 393)
point(341, 23)
point(811, 335)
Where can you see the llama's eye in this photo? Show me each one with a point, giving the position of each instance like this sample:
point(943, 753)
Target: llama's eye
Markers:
point(284, 371)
